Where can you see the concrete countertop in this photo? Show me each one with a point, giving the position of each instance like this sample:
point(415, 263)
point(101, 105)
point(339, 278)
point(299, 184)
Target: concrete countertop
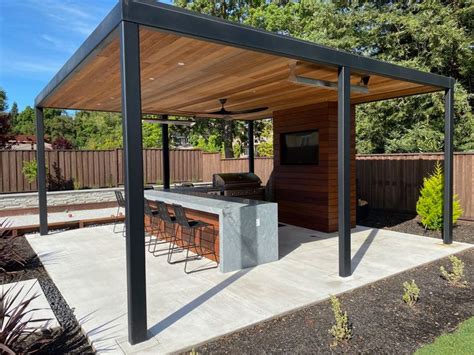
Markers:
point(200, 201)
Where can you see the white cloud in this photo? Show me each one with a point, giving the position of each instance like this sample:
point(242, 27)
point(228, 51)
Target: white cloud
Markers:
point(68, 15)
point(58, 43)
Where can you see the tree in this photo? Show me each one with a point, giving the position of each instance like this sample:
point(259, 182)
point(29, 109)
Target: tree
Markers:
point(151, 135)
point(14, 110)
point(24, 122)
point(3, 100)
point(430, 204)
point(433, 36)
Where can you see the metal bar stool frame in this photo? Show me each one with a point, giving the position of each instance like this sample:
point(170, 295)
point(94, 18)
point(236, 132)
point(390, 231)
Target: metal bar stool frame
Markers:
point(188, 239)
point(121, 204)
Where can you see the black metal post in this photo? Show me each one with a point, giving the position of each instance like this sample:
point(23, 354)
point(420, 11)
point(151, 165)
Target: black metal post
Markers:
point(344, 170)
point(133, 158)
point(251, 147)
point(448, 166)
point(41, 166)
point(166, 153)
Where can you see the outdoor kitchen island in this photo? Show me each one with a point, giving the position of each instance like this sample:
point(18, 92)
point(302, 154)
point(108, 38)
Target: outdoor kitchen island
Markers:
point(247, 229)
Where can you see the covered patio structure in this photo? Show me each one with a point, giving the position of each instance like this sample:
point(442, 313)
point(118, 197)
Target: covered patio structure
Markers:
point(150, 58)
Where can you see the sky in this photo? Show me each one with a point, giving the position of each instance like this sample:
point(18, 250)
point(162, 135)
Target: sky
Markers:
point(38, 36)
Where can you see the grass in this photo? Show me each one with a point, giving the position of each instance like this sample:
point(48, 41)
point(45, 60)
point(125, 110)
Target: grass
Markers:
point(460, 341)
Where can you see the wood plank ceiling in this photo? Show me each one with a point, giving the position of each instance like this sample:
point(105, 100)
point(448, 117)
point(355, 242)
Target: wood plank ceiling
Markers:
point(182, 75)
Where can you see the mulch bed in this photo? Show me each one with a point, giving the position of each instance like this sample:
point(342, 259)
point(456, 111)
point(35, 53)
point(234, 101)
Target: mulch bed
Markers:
point(381, 322)
point(68, 339)
point(463, 231)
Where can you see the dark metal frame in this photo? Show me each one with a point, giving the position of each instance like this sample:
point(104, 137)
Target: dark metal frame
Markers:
point(133, 159)
point(448, 164)
point(251, 146)
point(344, 170)
point(41, 166)
point(124, 20)
point(166, 153)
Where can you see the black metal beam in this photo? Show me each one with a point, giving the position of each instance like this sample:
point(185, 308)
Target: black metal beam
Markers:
point(41, 166)
point(344, 170)
point(251, 147)
point(133, 158)
point(448, 166)
point(207, 28)
point(166, 153)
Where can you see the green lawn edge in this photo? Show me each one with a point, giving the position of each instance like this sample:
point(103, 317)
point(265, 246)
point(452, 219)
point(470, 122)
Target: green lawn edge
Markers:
point(461, 341)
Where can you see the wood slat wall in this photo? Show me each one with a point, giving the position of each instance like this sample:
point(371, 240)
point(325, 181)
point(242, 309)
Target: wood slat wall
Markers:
point(307, 194)
point(393, 181)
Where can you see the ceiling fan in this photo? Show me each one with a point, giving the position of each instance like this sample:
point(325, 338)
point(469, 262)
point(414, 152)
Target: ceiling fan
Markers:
point(222, 112)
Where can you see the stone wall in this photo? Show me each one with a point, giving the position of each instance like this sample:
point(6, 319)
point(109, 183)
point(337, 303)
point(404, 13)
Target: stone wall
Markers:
point(57, 198)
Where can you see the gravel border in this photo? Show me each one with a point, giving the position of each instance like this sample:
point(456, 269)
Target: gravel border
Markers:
point(70, 338)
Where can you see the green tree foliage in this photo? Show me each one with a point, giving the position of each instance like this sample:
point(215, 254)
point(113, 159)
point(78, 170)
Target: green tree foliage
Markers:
point(24, 122)
point(430, 204)
point(210, 145)
point(433, 36)
point(14, 110)
point(151, 135)
point(3, 100)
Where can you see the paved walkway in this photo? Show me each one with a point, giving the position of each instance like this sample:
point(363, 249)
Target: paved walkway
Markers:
point(33, 219)
point(88, 266)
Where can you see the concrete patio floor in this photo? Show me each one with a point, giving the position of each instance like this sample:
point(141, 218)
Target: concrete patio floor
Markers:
point(88, 267)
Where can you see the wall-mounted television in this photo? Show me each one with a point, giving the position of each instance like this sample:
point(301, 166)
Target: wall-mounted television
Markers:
point(299, 148)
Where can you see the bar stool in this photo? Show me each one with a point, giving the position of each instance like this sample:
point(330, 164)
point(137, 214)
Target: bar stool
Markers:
point(153, 225)
point(188, 237)
point(167, 228)
point(121, 204)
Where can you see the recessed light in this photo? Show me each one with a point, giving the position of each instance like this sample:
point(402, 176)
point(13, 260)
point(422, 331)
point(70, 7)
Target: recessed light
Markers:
point(111, 97)
point(151, 79)
point(99, 104)
point(180, 64)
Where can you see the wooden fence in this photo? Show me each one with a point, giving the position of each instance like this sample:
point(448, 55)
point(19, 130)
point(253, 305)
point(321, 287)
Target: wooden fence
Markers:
point(387, 181)
point(213, 163)
point(95, 169)
point(393, 181)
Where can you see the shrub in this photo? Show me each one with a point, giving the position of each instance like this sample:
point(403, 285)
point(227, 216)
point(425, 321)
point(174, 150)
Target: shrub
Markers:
point(237, 149)
point(17, 330)
point(430, 204)
point(341, 331)
point(77, 184)
point(30, 170)
point(10, 259)
point(411, 293)
point(456, 276)
point(265, 149)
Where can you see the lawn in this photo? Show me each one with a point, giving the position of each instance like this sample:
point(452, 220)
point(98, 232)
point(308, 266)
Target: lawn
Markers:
point(460, 341)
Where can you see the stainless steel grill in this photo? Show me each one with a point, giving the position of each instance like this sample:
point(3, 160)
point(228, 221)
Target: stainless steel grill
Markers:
point(244, 185)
